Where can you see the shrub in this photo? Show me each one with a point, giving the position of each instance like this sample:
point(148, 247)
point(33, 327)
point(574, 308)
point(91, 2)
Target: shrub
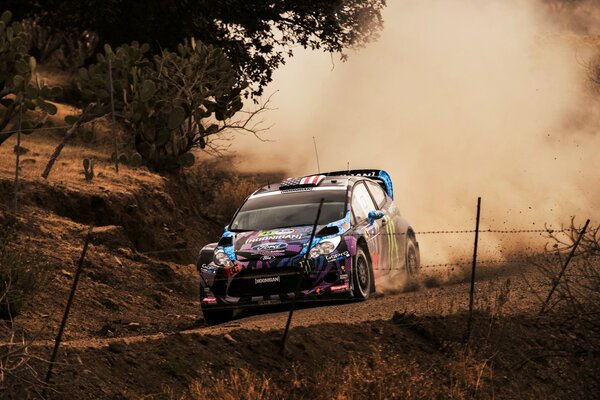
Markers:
point(19, 277)
point(17, 90)
point(170, 102)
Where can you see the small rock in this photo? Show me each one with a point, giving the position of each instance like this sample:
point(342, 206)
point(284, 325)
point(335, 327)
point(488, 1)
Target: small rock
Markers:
point(134, 326)
point(20, 150)
point(117, 347)
point(229, 338)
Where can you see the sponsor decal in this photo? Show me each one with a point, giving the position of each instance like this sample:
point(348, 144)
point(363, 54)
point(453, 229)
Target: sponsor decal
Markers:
point(275, 237)
point(344, 276)
point(207, 269)
point(268, 302)
point(270, 279)
point(277, 232)
point(337, 288)
point(209, 300)
point(276, 246)
point(337, 256)
point(267, 258)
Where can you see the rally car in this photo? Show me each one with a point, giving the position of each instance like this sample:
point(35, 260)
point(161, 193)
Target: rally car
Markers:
point(264, 255)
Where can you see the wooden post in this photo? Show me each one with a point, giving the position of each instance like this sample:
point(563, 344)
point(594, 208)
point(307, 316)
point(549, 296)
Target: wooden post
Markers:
point(112, 113)
point(563, 269)
point(297, 291)
point(472, 290)
point(66, 313)
point(72, 130)
point(18, 151)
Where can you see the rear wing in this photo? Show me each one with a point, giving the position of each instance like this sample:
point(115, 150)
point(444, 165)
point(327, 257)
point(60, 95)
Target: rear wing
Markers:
point(377, 175)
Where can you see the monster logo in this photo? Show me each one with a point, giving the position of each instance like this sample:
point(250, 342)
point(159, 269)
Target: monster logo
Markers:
point(390, 230)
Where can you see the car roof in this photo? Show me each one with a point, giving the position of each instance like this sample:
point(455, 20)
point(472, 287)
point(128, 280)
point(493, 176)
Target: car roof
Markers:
point(333, 182)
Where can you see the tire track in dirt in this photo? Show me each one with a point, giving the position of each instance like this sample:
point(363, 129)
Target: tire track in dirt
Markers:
point(449, 297)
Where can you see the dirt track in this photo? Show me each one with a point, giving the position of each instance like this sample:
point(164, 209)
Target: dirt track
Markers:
point(447, 296)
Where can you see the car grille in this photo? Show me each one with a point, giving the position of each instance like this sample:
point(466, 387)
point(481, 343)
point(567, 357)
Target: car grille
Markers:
point(264, 282)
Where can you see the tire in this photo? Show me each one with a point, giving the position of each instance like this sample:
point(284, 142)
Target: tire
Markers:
point(412, 258)
point(217, 316)
point(362, 275)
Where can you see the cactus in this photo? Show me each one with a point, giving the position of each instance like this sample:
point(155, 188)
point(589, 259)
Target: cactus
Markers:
point(164, 100)
point(17, 88)
point(88, 169)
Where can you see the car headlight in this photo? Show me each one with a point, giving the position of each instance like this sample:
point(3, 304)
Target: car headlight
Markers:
point(327, 246)
point(222, 259)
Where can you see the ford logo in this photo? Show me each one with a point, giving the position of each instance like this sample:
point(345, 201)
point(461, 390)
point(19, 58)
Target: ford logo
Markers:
point(270, 246)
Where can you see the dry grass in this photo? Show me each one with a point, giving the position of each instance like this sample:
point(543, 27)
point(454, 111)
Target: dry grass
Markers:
point(68, 170)
point(378, 376)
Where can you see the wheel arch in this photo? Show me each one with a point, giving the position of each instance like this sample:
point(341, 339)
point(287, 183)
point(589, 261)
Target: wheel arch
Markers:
point(206, 255)
point(362, 243)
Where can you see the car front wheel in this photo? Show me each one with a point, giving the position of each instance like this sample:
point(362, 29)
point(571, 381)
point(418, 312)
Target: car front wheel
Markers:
point(362, 275)
point(412, 258)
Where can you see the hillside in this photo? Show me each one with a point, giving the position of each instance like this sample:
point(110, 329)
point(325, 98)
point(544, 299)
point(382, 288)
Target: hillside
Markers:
point(136, 331)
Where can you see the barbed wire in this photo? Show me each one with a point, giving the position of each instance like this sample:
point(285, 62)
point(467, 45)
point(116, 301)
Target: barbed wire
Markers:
point(30, 130)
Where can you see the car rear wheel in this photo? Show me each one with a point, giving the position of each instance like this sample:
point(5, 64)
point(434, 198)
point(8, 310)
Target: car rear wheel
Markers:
point(362, 274)
point(412, 258)
point(215, 316)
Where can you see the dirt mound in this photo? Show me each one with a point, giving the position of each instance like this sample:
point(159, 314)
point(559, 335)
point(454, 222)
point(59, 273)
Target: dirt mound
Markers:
point(407, 356)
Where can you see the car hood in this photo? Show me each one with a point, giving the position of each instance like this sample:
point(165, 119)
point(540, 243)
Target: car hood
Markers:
point(283, 242)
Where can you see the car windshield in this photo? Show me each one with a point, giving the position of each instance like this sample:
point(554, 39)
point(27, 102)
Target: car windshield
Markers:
point(283, 210)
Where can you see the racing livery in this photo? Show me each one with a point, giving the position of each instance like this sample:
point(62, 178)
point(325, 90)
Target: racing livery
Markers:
point(265, 255)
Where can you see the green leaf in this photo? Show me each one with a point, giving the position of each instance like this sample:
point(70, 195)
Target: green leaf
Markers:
point(18, 81)
point(48, 108)
point(83, 74)
point(163, 137)
point(176, 118)
point(32, 92)
point(147, 90)
point(6, 17)
point(55, 92)
point(186, 160)
point(214, 128)
point(135, 160)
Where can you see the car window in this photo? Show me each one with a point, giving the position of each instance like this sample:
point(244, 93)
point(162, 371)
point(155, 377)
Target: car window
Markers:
point(361, 202)
point(274, 210)
point(377, 193)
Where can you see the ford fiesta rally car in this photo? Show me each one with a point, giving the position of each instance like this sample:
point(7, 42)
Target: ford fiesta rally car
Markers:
point(262, 258)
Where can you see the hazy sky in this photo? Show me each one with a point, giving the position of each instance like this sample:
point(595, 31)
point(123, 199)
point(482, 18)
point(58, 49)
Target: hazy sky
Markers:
point(458, 99)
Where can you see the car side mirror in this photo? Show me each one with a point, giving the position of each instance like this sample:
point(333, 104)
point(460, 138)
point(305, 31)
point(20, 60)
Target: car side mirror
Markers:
point(375, 215)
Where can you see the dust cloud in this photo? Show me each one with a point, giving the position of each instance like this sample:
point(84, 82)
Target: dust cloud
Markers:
point(458, 99)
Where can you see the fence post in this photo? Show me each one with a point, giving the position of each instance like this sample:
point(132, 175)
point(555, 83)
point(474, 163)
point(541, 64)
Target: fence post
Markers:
point(18, 152)
point(70, 132)
point(112, 113)
point(63, 323)
point(297, 291)
point(472, 290)
point(563, 269)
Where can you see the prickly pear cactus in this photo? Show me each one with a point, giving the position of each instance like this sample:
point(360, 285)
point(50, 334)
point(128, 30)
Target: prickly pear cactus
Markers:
point(88, 169)
point(17, 87)
point(165, 100)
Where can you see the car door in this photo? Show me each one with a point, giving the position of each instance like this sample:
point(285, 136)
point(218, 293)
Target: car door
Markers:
point(392, 237)
point(362, 204)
